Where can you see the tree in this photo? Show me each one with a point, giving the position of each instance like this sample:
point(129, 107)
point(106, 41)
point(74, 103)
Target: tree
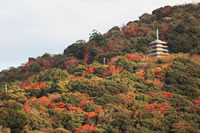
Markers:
point(13, 116)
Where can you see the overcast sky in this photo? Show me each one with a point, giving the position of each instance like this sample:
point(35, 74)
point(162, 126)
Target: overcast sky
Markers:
point(30, 28)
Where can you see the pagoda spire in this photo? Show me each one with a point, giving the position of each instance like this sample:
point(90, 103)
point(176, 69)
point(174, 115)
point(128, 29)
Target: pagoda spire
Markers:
point(157, 47)
point(157, 34)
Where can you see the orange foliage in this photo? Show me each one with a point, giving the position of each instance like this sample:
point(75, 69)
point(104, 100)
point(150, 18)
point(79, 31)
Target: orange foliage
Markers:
point(86, 128)
point(75, 108)
point(113, 59)
point(91, 114)
point(133, 57)
point(94, 113)
point(166, 65)
point(44, 100)
point(84, 102)
point(167, 94)
point(195, 58)
point(54, 96)
point(112, 69)
point(159, 73)
point(140, 74)
point(158, 83)
point(157, 107)
point(128, 98)
point(98, 109)
point(27, 108)
point(33, 86)
point(91, 70)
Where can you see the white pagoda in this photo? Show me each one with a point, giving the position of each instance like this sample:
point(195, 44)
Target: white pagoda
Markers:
point(158, 48)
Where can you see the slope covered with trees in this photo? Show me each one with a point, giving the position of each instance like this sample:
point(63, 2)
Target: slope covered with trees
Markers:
point(108, 84)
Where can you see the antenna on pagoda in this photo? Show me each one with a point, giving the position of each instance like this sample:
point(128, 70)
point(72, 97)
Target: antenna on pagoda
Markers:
point(157, 34)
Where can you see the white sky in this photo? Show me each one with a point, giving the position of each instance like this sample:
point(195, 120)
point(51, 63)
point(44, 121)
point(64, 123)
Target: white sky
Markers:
point(30, 28)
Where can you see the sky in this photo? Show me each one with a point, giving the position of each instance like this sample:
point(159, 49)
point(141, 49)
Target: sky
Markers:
point(30, 28)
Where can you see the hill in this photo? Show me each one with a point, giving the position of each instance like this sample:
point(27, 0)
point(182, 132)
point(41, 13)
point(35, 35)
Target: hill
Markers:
point(108, 84)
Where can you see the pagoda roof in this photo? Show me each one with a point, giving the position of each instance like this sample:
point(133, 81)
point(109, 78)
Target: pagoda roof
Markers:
point(158, 42)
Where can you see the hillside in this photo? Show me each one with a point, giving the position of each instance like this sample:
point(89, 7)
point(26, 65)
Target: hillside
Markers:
point(108, 84)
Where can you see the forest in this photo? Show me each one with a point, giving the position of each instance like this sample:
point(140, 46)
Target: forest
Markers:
point(109, 84)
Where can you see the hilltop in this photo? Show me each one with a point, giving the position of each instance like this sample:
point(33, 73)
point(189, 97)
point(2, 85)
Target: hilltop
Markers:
point(109, 84)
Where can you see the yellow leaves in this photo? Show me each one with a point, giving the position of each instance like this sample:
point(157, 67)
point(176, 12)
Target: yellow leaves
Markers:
point(127, 97)
point(62, 85)
point(168, 18)
point(81, 96)
point(54, 96)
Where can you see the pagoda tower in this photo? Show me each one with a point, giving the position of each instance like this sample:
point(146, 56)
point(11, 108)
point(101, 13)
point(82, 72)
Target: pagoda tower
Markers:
point(158, 48)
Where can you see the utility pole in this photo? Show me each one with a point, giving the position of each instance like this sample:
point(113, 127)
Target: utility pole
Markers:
point(6, 88)
point(104, 60)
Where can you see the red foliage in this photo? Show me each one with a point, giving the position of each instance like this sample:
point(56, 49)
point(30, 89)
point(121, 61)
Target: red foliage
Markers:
point(44, 101)
point(27, 108)
point(166, 11)
point(133, 57)
point(86, 56)
point(133, 107)
point(196, 102)
point(37, 86)
point(75, 108)
point(132, 32)
point(1, 94)
point(159, 73)
point(86, 128)
point(98, 109)
point(194, 109)
point(127, 46)
point(70, 62)
point(167, 94)
point(157, 107)
point(33, 86)
point(178, 108)
point(45, 64)
point(106, 34)
point(91, 70)
point(25, 86)
point(91, 114)
point(94, 113)
point(28, 64)
point(58, 105)
point(112, 69)
point(112, 60)
point(27, 104)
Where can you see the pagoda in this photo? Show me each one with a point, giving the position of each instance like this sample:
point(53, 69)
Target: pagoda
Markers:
point(158, 48)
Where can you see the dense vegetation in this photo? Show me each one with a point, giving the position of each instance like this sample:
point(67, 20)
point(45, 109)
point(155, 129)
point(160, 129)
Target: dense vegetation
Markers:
point(108, 84)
